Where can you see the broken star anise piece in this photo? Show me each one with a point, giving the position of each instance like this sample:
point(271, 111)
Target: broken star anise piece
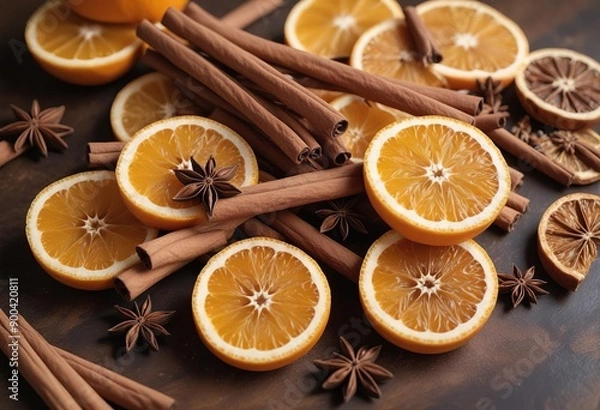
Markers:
point(208, 183)
point(144, 322)
point(40, 129)
point(354, 370)
point(340, 215)
point(521, 285)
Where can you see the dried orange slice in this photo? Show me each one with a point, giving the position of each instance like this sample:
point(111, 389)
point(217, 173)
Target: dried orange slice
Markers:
point(329, 28)
point(260, 304)
point(81, 232)
point(387, 49)
point(365, 119)
point(146, 99)
point(476, 41)
point(146, 163)
point(427, 299)
point(568, 238)
point(560, 87)
point(435, 180)
point(124, 11)
point(562, 152)
point(77, 50)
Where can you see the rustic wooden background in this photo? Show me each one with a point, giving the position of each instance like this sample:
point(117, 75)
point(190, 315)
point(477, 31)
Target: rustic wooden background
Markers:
point(543, 357)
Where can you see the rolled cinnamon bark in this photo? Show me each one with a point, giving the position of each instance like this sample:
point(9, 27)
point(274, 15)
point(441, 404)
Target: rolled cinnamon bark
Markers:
point(326, 120)
point(489, 122)
point(358, 82)
point(35, 371)
point(106, 160)
point(250, 11)
point(588, 154)
point(516, 178)
point(254, 227)
point(220, 83)
point(105, 147)
point(8, 153)
point(424, 44)
point(336, 152)
point(116, 388)
point(134, 281)
point(507, 219)
point(518, 202)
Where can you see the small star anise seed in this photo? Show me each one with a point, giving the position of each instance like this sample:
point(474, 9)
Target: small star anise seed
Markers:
point(208, 183)
point(145, 322)
point(354, 370)
point(521, 285)
point(40, 129)
point(340, 215)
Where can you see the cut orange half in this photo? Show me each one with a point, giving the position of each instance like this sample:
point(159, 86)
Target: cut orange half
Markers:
point(77, 50)
point(124, 11)
point(81, 232)
point(146, 163)
point(387, 49)
point(365, 119)
point(475, 40)
point(260, 304)
point(146, 99)
point(427, 299)
point(435, 180)
point(329, 28)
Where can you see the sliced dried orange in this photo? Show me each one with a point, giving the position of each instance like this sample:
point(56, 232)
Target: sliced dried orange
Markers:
point(427, 299)
point(562, 151)
point(146, 99)
point(560, 87)
point(81, 232)
point(124, 11)
point(568, 238)
point(260, 304)
point(387, 49)
point(146, 163)
point(435, 180)
point(329, 28)
point(77, 50)
point(365, 119)
point(476, 41)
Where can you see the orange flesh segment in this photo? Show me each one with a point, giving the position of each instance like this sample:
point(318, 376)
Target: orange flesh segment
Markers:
point(406, 266)
point(275, 280)
point(170, 149)
point(466, 36)
point(413, 171)
point(66, 241)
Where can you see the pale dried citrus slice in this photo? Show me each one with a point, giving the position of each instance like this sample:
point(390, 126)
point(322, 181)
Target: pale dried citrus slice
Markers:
point(365, 119)
point(77, 50)
point(81, 232)
point(146, 163)
point(329, 28)
point(427, 299)
point(387, 49)
point(568, 238)
point(562, 152)
point(260, 304)
point(435, 180)
point(475, 40)
point(146, 99)
point(124, 11)
point(560, 87)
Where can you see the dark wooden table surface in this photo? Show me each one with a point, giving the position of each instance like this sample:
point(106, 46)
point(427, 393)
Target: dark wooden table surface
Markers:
point(546, 356)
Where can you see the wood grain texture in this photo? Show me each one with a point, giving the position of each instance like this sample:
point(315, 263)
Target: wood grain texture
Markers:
point(543, 357)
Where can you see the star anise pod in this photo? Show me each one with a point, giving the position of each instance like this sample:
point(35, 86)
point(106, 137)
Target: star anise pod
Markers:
point(354, 370)
point(41, 129)
point(208, 183)
point(341, 216)
point(521, 285)
point(144, 322)
point(491, 91)
point(565, 140)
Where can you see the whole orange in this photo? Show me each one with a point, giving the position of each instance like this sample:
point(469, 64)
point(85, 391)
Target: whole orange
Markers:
point(124, 11)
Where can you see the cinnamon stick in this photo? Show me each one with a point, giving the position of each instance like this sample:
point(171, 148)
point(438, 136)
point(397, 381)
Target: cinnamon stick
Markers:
point(421, 36)
point(489, 122)
point(507, 219)
point(336, 152)
point(320, 246)
point(250, 11)
point(8, 153)
point(116, 388)
point(516, 178)
point(588, 154)
point(359, 82)
point(326, 120)
point(106, 160)
point(203, 71)
point(33, 368)
point(524, 152)
point(81, 391)
point(134, 281)
point(517, 202)
point(254, 227)
point(102, 147)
